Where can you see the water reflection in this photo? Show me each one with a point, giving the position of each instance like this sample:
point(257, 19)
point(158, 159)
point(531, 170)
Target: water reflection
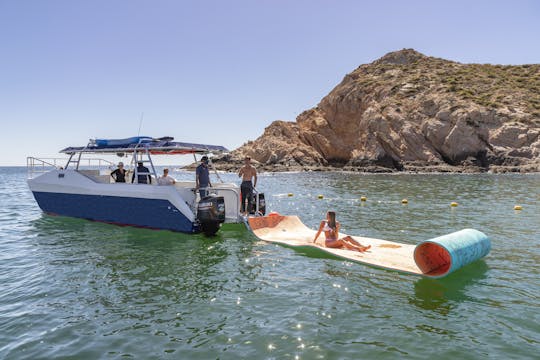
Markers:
point(442, 294)
point(126, 281)
point(138, 263)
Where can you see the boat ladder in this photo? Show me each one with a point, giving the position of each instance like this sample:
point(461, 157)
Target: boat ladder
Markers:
point(138, 158)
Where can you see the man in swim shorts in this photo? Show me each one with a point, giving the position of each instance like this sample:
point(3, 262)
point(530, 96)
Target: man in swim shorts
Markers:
point(247, 172)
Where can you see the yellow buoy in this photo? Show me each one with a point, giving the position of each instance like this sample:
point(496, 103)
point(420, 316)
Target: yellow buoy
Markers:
point(518, 207)
point(320, 197)
point(404, 201)
point(453, 204)
point(289, 194)
point(363, 198)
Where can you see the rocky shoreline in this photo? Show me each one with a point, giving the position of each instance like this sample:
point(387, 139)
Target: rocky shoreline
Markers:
point(234, 166)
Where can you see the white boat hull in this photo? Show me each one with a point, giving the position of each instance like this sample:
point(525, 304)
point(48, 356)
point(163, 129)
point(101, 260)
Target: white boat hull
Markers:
point(72, 193)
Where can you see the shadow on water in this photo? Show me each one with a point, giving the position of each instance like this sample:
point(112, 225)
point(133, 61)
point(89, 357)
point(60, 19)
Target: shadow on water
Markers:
point(440, 294)
point(312, 252)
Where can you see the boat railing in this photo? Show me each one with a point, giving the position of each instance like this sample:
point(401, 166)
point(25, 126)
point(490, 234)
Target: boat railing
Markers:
point(100, 164)
point(37, 166)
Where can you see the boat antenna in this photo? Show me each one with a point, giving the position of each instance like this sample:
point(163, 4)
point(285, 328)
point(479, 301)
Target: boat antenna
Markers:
point(140, 124)
point(215, 170)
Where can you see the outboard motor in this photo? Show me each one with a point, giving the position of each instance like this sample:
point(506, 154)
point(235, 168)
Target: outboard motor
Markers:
point(211, 214)
point(258, 204)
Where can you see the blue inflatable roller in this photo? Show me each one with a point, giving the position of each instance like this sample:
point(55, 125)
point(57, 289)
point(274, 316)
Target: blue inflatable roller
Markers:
point(445, 254)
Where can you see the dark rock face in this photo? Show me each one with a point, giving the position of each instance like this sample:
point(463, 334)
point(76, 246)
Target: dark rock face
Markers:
point(411, 112)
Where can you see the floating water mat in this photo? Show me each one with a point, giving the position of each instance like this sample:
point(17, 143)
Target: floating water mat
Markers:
point(435, 258)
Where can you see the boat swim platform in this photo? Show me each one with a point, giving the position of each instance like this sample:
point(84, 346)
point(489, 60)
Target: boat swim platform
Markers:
point(434, 258)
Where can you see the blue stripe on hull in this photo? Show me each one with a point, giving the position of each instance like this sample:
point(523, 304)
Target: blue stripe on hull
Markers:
point(149, 213)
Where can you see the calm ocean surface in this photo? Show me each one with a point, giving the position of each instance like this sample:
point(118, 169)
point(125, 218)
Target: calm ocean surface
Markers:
point(74, 289)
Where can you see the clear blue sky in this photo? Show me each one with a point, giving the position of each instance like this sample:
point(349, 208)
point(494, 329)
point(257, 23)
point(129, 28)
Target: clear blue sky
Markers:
point(216, 72)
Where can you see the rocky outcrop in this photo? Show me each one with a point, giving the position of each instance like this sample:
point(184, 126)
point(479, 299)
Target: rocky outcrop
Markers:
point(407, 111)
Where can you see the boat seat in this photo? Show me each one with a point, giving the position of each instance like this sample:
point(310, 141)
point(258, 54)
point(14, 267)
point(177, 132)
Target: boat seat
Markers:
point(95, 175)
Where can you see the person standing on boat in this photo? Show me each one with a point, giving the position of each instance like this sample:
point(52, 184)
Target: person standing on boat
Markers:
point(247, 172)
point(142, 179)
point(119, 175)
point(202, 177)
point(166, 179)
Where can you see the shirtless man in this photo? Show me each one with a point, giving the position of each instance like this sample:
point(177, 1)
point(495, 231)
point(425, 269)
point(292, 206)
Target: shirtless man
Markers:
point(247, 172)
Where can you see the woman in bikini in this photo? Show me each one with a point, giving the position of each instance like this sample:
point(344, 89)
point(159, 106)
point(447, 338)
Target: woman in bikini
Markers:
point(331, 230)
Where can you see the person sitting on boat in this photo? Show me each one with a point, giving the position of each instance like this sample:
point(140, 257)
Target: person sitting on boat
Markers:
point(119, 175)
point(247, 172)
point(166, 179)
point(202, 177)
point(142, 179)
point(330, 227)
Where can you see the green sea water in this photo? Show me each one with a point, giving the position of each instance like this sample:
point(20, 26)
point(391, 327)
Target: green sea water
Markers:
point(74, 289)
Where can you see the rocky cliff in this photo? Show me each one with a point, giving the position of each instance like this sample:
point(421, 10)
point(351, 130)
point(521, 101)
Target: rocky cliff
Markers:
point(407, 111)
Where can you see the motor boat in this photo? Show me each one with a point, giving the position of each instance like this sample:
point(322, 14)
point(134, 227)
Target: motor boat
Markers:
point(83, 187)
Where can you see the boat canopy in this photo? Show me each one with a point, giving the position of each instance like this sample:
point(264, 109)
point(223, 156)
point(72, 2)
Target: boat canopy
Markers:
point(155, 146)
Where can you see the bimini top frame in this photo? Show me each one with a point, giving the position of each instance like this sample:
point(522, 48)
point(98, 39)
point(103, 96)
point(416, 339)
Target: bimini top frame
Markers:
point(139, 146)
